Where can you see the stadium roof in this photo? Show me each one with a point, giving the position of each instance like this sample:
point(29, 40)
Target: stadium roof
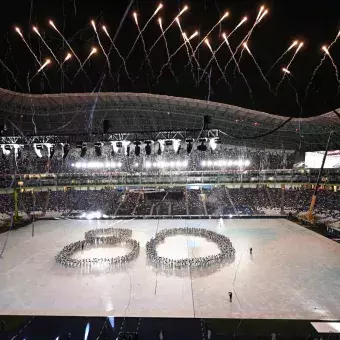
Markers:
point(72, 113)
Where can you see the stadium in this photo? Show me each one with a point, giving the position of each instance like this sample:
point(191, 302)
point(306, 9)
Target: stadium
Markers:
point(171, 197)
point(195, 174)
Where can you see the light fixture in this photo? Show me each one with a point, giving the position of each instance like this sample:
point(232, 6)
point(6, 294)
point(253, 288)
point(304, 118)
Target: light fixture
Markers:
point(83, 150)
point(51, 151)
point(98, 149)
point(137, 148)
point(6, 150)
point(202, 146)
point(66, 150)
point(148, 147)
point(38, 148)
point(189, 145)
point(177, 145)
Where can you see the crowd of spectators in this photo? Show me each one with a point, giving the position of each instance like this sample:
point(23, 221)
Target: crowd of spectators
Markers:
point(179, 201)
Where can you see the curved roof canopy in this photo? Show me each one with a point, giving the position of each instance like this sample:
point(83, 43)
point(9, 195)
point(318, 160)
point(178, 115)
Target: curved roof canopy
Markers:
point(85, 112)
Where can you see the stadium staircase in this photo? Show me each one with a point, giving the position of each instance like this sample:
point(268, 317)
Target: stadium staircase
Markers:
point(186, 201)
point(152, 209)
point(203, 202)
point(47, 202)
point(137, 202)
point(270, 198)
point(122, 200)
point(230, 200)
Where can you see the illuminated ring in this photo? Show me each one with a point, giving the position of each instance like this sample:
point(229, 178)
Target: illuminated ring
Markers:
point(227, 251)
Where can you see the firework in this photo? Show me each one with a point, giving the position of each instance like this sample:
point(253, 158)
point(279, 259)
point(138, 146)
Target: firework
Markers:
point(160, 6)
point(93, 24)
point(326, 50)
point(185, 8)
point(282, 55)
point(217, 63)
point(238, 67)
point(93, 51)
point(65, 41)
point(260, 16)
point(166, 47)
point(195, 34)
point(289, 64)
point(104, 28)
point(206, 36)
point(220, 46)
point(143, 42)
point(320, 64)
point(35, 29)
point(246, 47)
point(17, 29)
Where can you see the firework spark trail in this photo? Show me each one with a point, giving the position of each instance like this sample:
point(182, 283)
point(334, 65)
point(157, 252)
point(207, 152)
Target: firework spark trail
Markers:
point(12, 74)
point(47, 62)
point(35, 29)
point(143, 29)
point(220, 46)
point(187, 46)
point(143, 42)
point(186, 42)
point(93, 51)
point(320, 64)
point(259, 17)
point(295, 91)
point(116, 49)
point(326, 50)
point(69, 46)
point(173, 54)
point(206, 36)
point(217, 63)
point(287, 67)
point(65, 41)
point(282, 55)
point(238, 68)
point(93, 24)
point(167, 49)
point(245, 45)
point(28, 46)
point(185, 8)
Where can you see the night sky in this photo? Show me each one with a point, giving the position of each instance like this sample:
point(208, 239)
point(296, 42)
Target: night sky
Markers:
point(316, 23)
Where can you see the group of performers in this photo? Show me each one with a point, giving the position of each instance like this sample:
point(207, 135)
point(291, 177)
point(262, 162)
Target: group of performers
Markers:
point(98, 238)
point(227, 250)
point(95, 238)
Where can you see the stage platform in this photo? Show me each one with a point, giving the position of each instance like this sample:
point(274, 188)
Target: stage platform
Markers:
point(293, 273)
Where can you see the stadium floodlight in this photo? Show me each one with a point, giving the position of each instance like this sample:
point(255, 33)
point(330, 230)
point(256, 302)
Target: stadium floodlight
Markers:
point(17, 151)
point(136, 165)
point(137, 148)
point(202, 146)
point(83, 151)
point(213, 143)
point(38, 148)
point(189, 145)
point(6, 150)
point(98, 149)
point(119, 164)
point(230, 163)
point(185, 163)
point(210, 163)
point(66, 150)
point(177, 145)
point(148, 165)
point(204, 163)
point(247, 162)
point(148, 147)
